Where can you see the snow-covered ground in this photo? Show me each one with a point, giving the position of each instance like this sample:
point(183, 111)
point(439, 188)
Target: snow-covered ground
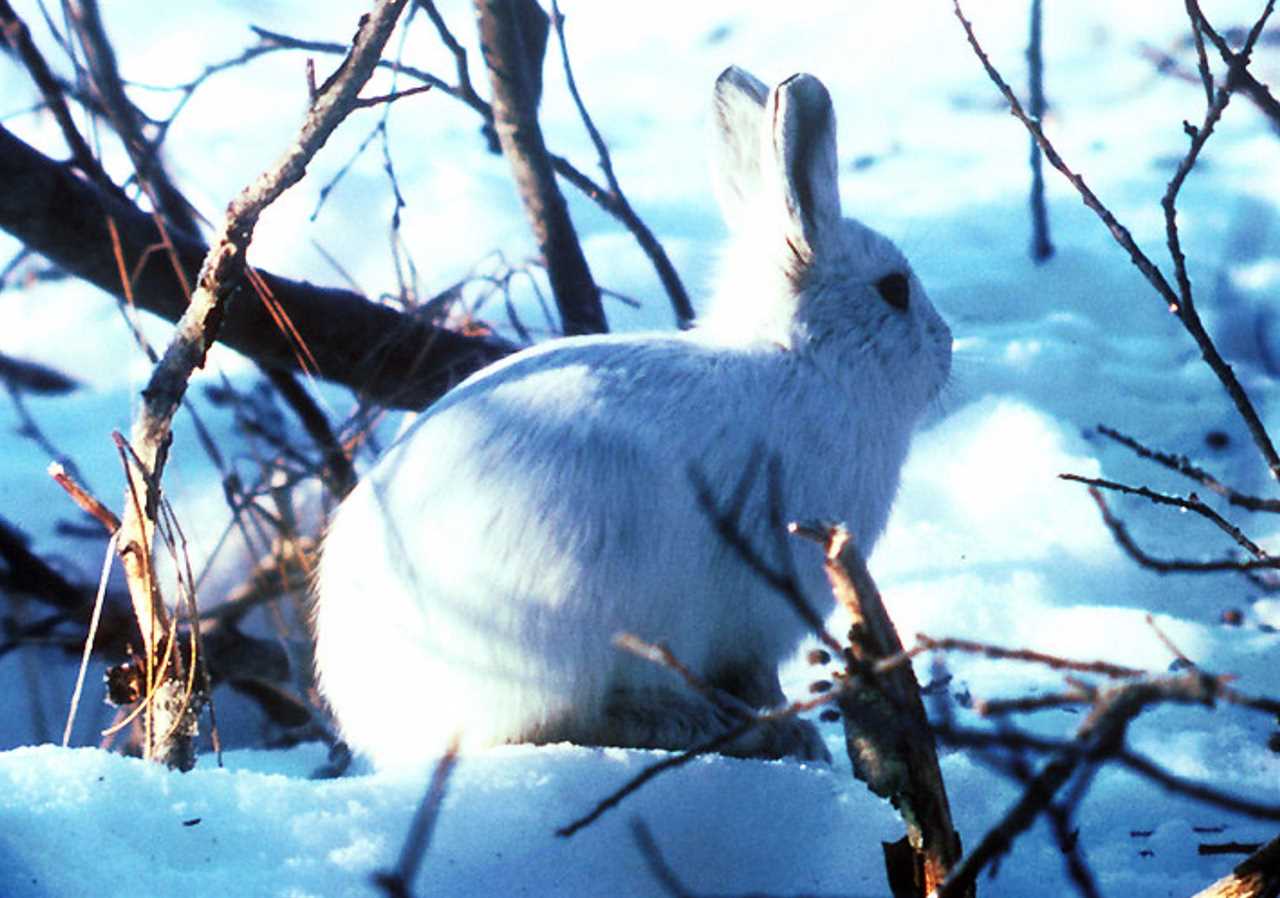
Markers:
point(985, 541)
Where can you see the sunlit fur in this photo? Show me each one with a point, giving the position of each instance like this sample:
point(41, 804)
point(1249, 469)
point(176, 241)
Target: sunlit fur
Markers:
point(473, 582)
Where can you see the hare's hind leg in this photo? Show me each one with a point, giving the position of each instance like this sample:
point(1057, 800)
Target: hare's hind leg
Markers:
point(679, 720)
point(758, 688)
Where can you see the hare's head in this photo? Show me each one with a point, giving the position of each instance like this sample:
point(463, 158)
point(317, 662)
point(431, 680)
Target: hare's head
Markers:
point(797, 272)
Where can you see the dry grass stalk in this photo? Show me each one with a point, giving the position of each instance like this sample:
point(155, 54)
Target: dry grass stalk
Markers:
point(223, 271)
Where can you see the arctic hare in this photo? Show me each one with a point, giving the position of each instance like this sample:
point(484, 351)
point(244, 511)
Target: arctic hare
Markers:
point(474, 581)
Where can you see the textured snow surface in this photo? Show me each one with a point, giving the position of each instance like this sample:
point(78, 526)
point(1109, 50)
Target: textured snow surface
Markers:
point(985, 541)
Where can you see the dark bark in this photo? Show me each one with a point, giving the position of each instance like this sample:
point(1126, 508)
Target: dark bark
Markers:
point(513, 39)
point(391, 357)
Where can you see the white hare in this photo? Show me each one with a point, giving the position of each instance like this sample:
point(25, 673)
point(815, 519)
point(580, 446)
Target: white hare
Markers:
point(473, 583)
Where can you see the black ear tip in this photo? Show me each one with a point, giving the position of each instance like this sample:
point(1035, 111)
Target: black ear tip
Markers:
point(806, 89)
point(731, 73)
point(738, 81)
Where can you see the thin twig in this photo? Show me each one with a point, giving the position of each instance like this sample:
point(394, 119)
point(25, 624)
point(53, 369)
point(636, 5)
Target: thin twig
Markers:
point(1173, 300)
point(341, 474)
point(1120, 533)
point(1202, 57)
point(126, 119)
point(618, 202)
point(653, 770)
point(1244, 80)
point(663, 656)
point(87, 502)
point(19, 37)
point(1053, 662)
point(1191, 503)
point(464, 90)
point(1041, 245)
point(728, 523)
point(1183, 660)
point(1199, 792)
point(398, 882)
point(388, 99)
point(1183, 465)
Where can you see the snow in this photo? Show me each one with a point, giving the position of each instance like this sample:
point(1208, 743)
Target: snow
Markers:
point(986, 542)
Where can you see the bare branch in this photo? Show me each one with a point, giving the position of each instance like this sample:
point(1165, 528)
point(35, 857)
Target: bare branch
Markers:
point(1175, 301)
point(1100, 736)
point(1202, 58)
point(1182, 465)
point(126, 120)
point(398, 883)
point(88, 503)
point(609, 199)
point(663, 656)
point(1256, 877)
point(400, 360)
point(615, 199)
point(654, 770)
point(340, 474)
point(464, 90)
point(513, 39)
point(1120, 533)
point(887, 732)
point(19, 37)
point(1053, 662)
point(221, 273)
point(1192, 503)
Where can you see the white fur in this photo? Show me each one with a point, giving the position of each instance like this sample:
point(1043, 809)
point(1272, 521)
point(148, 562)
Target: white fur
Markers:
point(473, 582)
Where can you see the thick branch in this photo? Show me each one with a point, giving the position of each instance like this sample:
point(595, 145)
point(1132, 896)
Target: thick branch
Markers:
point(396, 359)
point(1256, 877)
point(513, 40)
point(887, 731)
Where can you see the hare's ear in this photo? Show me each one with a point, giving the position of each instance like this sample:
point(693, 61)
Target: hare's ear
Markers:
point(802, 142)
point(739, 116)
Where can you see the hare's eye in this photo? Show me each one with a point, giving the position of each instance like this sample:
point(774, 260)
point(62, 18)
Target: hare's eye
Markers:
point(895, 289)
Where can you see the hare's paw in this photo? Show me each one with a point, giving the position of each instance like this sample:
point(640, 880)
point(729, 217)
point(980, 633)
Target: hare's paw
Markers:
point(789, 737)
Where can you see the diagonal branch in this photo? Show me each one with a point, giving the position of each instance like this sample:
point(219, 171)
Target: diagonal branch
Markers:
point(513, 40)
point(19, 38)
point(606, 197)
point(1177, 301)
point(221, 274)
point(887, 731)
point(396, 359)
point(126, 119)
point(1191, 503)
point(615, 200)
point(1184, 466)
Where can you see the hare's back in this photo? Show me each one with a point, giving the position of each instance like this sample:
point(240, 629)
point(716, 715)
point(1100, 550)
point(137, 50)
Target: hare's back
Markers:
point(562, 472)
point(606, 400)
